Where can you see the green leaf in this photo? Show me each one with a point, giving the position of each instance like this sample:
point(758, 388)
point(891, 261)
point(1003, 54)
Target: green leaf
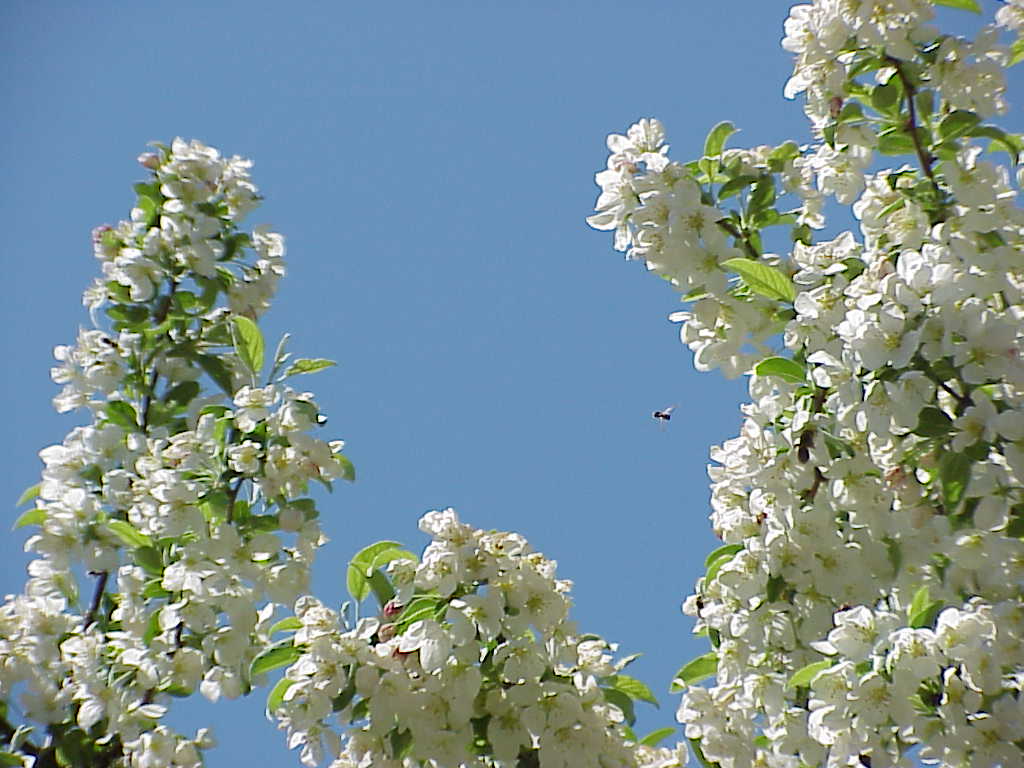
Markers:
point(698, 669)
point(361, 565)
point(964, 5)
point(420, 607)
point(304, 365)
point(129, 534)
point(921, 599)
point(9, 758)
point(717, 136)
point(954, 476)
point(925, 616)
point(699, 754)
point(1016, 52)
point(782, 367)
point(348, 469)
point(933, 422)
point(724, 550)
point(654, 738)
point(734, 186)
point(182, 393)
point(278, 655)
point(896, 142)
point(289, 624)
point(762, 195)
point(276, 696)
point(214, 368)
point(884, 97)
point(34, 516)
point(957, 123)
point(248, 342)
point(123, 414)
point(803, 676)
point(762, 279)
point(149, 559)
point(28, 494)
point(632, 687)
point(384, 557)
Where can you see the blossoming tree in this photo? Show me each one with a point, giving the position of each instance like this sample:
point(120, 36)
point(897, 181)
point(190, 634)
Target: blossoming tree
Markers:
point(866, 607)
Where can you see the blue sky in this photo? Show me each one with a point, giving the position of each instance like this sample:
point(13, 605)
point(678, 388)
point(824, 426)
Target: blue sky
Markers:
point(431, 166)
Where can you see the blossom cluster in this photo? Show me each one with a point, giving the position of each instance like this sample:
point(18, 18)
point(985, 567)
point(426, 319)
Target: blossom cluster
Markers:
point(184, 508)
point(867, 604)
point(472, 661)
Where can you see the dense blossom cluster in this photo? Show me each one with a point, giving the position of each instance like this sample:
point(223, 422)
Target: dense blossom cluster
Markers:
point(867, 604)
point(471, 662)
point(183, 509)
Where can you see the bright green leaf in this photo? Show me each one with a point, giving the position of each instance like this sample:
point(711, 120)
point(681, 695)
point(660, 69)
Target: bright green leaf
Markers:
point(716, 138)
point(926, 615)
point(803, 676)
point(932, 422)
point(34, 516)
point(957, 123)
point(123, 414)
point(348, 469)
point(783, 368)
point(1016, 51)
point(698, 669)
point(304, 365)
point(248, 342)
point(214, 368)
point(28, 494)
point(964, 5)
point(654, 738)
point(129, 534)
point(9, 758)
point(897, 142)
point(622, 701)
point(724, 550)
point(763, 279)
point(734, 186)
point(632, 687)
point(954, 476)
point(360, 565)
point(276, 696)
point(289, 624)
point(921, 599)
point(276, 656)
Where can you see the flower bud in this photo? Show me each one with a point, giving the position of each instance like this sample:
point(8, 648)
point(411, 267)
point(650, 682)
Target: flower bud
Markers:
point(149, 160)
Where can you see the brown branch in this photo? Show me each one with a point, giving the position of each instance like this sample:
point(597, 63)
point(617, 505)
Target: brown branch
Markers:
point(97, 596)
point(911, 126)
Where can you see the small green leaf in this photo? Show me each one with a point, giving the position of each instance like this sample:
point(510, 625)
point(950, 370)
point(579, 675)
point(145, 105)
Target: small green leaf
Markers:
point(925, 616)
point(348, 469)
point(279, 655)
point(964, 5)
point(123, 414)
point(954, 476)
point(921, 599)
point(28, 494)
point(699, 754)
point(9, 758)
point(803, 676)
point(129, 534)
point(933, 422)
point(896, 142)
point(717, 136)
point(763, 279)
point(34, 516)
point(782, 367)
point(384, 557)
point(884, 97)
point(723, 551)
point(734, 186)
point(698, 669)
point(632, 687)
point(276, 696)
point(762, 195)
point(214, 368)
point(654, 738)
point(149, 559)
point(304, 365)
point(1016, 51)
point(725, 556)
point(360, 566)
point(957, 123)
point(289, 624)
point(248, 342)
point(182, 393)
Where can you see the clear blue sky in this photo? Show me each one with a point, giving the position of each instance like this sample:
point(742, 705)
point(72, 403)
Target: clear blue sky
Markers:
point(430, 165)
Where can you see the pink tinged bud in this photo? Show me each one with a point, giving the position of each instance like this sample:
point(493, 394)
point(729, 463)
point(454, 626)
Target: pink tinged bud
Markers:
point(149, 160)
point(391, 609)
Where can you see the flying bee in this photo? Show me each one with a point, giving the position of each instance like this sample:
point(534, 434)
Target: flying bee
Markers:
point(663, 416)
